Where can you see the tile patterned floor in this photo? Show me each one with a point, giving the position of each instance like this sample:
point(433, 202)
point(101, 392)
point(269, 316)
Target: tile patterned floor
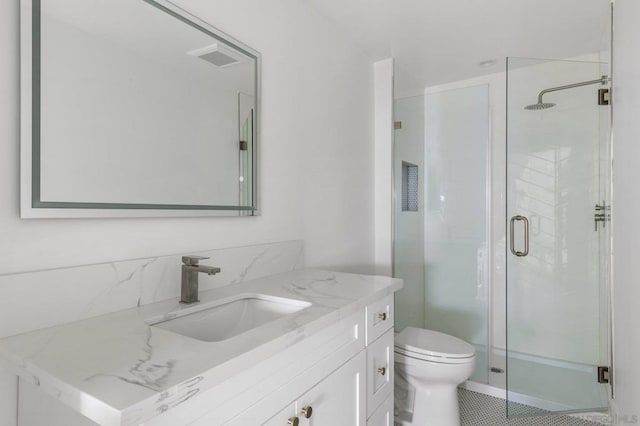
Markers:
point(477, 409)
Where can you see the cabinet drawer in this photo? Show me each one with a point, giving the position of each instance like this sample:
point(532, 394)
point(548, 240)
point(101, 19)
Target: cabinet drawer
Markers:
point(383, 416)
point(379, 318)
point(380, 369)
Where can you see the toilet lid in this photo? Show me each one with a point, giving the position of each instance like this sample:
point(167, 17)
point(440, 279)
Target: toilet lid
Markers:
point(432, 343)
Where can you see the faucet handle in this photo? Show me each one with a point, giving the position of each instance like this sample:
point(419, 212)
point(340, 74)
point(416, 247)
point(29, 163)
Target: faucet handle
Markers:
point(193, 260)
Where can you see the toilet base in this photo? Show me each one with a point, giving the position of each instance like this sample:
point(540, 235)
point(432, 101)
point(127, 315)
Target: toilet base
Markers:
point(436, 406)
point(424, 399)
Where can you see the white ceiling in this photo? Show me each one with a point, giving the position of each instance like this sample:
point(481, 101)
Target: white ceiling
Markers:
point(439, 41)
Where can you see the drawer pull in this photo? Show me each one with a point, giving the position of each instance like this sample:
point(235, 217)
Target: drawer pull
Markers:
point(307, 411)
point(383, 316)
point(293, 421)
point(382, 370)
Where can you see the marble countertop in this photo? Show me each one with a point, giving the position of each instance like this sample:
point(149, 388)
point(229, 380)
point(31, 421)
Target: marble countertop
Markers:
point(118, 370)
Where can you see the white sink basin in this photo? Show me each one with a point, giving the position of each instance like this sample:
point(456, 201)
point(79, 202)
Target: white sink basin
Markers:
point(223, 319)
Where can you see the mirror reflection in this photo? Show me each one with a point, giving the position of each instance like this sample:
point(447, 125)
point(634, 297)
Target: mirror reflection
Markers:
point(140, 107)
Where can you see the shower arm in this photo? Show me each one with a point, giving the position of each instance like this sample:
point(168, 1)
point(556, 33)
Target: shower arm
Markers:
point(602, 80)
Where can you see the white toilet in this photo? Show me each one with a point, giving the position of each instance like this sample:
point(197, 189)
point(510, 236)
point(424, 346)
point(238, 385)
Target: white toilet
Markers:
point(431, 365)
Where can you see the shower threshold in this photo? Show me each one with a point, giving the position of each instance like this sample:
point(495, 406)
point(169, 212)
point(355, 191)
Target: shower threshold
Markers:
point(559, 386)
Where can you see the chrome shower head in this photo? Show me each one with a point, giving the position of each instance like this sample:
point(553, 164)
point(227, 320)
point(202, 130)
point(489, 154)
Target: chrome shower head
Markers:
point(545, 105)
point(539, 106)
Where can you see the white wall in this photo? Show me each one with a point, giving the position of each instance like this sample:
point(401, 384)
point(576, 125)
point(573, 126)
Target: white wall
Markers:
point(316, 157)
point(383, 176)
point(626, 207)
point(316, 153)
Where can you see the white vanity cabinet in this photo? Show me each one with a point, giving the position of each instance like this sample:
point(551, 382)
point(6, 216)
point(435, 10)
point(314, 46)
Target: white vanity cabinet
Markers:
point(337, 400)
point(380, 371)
point(335, 372)
point(380, 365)
point(383, 415)
point(379, 318)
point(358, 393)
point(284, 417)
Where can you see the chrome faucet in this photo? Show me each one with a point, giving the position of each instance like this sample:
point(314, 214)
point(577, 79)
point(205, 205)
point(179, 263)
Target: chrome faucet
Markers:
point(190, 271)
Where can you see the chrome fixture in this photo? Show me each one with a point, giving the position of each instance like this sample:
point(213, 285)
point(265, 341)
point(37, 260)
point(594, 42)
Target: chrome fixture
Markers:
point(190, 270)
point(513, 237)
point(603, 374)
point(540, 105)
point(601, 217)
point(544, 105)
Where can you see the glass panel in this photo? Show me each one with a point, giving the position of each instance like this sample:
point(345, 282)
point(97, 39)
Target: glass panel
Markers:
point(409, 232)
point(441, 250)
point(557, 293)
point(457, 130)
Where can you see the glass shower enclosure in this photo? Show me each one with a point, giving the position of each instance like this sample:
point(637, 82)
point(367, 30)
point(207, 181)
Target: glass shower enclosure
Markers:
point(530, 290)
point(558, 250)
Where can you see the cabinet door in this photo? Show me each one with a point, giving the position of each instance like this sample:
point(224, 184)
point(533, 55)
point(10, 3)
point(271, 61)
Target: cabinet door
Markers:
point(263, 416)
point(380, 371)
point(338, 400)
point(282, 418)
point(383, 416)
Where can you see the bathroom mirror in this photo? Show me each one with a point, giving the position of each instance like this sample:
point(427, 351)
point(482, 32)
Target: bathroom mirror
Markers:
point(135, 108)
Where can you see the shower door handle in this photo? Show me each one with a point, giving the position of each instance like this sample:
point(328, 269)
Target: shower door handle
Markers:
point(513, 237)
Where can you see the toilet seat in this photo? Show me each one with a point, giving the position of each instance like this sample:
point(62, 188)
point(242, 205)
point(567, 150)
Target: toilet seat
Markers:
point(429, 345)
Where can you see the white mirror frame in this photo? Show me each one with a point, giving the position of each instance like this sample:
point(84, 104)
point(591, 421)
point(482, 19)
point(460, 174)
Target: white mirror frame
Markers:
point(27, 209)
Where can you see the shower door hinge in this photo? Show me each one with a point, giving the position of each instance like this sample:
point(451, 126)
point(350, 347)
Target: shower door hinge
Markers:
point(603, 374)
point(244, 145)
point(397, 125)
point(603, 96)
point(602, 217)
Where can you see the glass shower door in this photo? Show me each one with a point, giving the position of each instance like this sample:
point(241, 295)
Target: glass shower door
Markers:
point(558, 167)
